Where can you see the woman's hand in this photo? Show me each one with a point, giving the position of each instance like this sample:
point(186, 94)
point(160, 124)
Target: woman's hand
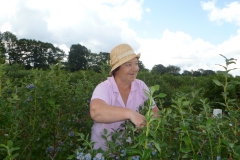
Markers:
point(137, 119)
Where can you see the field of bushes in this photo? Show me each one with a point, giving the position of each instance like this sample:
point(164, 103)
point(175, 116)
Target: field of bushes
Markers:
point(44, 114)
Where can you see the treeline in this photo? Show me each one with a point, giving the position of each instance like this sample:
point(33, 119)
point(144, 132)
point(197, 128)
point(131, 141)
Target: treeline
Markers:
point(32, 54)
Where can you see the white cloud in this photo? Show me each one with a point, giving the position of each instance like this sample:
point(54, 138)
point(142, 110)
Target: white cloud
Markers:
point(181, 50)
point(92, 23)
point(148, 10)
point(9, 8)
point(6, 27)
point(230, 13)
point(100, 25)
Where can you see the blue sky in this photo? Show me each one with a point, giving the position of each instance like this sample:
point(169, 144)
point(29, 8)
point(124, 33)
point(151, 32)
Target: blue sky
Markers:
point(189, 34)
point(187, 16)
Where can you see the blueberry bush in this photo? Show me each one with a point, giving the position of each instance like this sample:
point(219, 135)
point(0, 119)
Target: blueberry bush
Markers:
point(42, 112)
point(45, 115)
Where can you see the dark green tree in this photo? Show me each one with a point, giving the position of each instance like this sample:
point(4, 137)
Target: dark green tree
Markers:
point(78, 58)
point(187, 73)
point(208, 72)
point(142, 66)
point(9, 44)
point(196, 73)
point(37, 54)
point(174, 70)
point(159, 69)
point(29, 53)
point(95, 61)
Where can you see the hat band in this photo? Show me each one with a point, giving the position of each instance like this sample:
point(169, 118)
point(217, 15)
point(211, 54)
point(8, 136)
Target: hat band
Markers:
point(115, 60)
point(125, 54)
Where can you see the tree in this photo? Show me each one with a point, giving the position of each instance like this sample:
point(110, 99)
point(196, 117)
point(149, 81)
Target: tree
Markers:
point(187, 73)
point(159, 68)
point(173, 69)
point(142, 66)
point(209, 72)
point(196, 73)
point(2, 60)
point(37, 54)
point(95, 60)
point(29, 53)
point(9, 43)
point(77, 58)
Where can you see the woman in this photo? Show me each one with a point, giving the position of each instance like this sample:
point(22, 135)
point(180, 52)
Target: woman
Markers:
point(118, 98)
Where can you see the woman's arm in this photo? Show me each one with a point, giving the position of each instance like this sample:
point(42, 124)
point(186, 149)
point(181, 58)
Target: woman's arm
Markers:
point(103, 113)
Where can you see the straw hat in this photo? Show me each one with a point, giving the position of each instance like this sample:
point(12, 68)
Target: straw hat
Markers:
point(121, 54)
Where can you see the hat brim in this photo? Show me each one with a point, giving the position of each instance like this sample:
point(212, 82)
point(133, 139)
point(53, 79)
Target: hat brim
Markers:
point(124, 60)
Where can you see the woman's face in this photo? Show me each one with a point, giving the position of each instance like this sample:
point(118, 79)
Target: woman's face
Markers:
point(128, 71)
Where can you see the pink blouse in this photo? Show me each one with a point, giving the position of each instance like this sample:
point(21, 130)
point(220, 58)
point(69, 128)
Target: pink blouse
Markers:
point(108, 92)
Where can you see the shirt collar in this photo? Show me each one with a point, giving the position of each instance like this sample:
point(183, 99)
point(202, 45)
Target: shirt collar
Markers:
point(115, 88)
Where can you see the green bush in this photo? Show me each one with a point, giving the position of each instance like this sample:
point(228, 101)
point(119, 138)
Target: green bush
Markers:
point(41, 114)
point(45, 115)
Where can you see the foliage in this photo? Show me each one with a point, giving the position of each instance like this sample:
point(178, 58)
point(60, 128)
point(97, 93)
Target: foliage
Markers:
point(159, 68)
point(29, 53)
point(44, 114)
point(181, 131)
point(96, 61)
point(37, 54)
point(77, 58)
point(9, 149)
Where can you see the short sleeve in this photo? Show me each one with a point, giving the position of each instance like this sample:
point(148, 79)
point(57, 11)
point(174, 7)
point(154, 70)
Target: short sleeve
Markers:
point(101, 92)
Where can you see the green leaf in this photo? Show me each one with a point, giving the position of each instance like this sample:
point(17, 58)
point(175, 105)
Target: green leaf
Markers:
point(3, 149)
point(51, 102)
point(224, 73)
point(81, 135)
point(7, 158)
point(225, 142)
point(185, 150)
point(142, 138)
point(9, 143)
point(230, 62)
point(186, 156)
point(209, 122)
point(224, 94)
point(71, 157)
point(157, 146)
point(3, 145)
point(187, 141)
point(184, 128)
point(202, 126)
point(105, 131)
point(85, 144)
point(153, 89)
point(231, 145)
point(147, 94)
point(234, 82)
point(236, 156)
point(177, 129)
point(169, 110)
point(162, 95)
point(237, 149)
point(186, 103)
point(146, 154)
point(132, 152)
point(217, 82)
point(195, 157)
point(14, 156)
point(175, 107)
point(222, 104)
point(14, 149)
